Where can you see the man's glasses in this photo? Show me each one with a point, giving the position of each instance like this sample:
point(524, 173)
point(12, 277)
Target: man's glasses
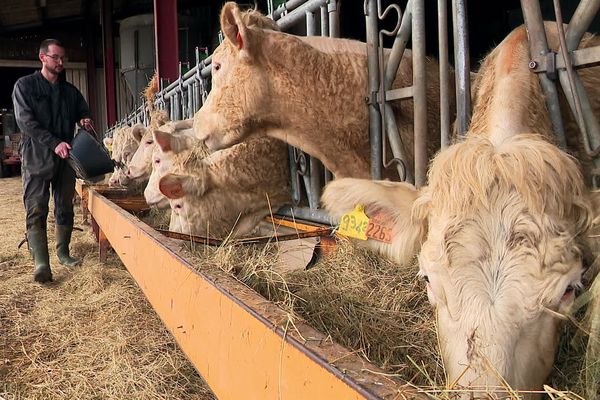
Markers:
point(56, 57)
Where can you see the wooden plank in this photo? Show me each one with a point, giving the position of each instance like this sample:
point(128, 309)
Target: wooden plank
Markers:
point(230, 333)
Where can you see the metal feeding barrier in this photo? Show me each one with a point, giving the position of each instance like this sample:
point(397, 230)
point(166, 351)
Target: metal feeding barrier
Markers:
point(182, 98)
point(562, 65)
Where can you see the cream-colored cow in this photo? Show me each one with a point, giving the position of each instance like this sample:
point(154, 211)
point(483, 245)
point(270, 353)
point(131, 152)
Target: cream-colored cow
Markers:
point(500, 229)
point(309, 92)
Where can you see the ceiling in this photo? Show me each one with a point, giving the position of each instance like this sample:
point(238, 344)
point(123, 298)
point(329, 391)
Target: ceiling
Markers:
point(18, 15)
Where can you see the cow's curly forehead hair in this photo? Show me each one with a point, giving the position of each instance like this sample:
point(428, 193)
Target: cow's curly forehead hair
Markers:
point(47, 43)
point(546, 179)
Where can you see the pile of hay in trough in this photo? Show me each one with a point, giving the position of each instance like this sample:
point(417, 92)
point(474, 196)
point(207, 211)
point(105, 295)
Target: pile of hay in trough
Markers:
point(362, 301)
point(381, 311)
point(89, 335)
point(157, 218)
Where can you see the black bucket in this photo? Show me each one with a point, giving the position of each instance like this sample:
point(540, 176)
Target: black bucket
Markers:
point(88, 157)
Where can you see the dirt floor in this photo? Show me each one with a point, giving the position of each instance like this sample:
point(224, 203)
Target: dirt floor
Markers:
point(88, 335)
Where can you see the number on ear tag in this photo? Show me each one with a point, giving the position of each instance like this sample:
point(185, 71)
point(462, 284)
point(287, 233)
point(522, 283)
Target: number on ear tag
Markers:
point(354, 224)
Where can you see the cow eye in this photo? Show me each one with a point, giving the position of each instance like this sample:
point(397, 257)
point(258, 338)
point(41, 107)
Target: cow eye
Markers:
point(568, 292)
point(178, 206)
point(217, 66)
point(150, 142)
point(157, 161)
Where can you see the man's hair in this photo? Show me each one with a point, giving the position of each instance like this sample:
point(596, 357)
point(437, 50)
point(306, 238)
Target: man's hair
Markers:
point(46, 43)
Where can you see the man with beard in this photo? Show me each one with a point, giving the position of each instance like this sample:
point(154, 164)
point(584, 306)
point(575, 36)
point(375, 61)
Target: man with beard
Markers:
point(46, 110)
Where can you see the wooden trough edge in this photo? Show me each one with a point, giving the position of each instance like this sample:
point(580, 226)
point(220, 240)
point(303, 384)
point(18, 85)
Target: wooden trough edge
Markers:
point(243, 345)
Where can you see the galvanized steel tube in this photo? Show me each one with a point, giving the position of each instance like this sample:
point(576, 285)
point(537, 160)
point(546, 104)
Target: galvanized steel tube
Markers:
point(444, 73)
point(419, 92)
point(462, 65)
point(311, 24)
point(580, 22)
point(538, 47)
point(371, 17)
point(399, 46)
point(286, 7)
point(298, 14)
point(316, 169)
point(405, 172)
point(334, 19)
point(306, 214)
point(324, 21)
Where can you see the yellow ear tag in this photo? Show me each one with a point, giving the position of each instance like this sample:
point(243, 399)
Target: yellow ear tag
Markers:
point(354, 224)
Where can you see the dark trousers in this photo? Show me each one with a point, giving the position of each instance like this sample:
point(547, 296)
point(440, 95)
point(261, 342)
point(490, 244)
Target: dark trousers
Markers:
point(36, 194)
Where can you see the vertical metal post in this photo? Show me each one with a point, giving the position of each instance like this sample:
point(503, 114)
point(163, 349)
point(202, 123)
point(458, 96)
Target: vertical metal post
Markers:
point(462, 63)
point(296, 195)
point(371, 16)
point(538, 47)
point(419, 92)
point(311, 24)
point(334, 19)
point(444, 73)
point(329, 13)
point(315, 169)
point(324, 21)
point(391, 131)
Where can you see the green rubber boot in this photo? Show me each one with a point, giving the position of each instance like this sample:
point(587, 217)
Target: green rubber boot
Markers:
point(38, 245)
point(63, 238)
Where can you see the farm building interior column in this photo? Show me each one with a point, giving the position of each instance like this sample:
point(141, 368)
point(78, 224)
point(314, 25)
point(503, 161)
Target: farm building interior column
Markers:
point(167, 44)
point(109, 61)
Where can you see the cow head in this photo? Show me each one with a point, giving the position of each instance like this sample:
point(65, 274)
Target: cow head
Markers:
point(173, 152)
point(124, 145)
point(501, 255)
point(182, 192)
point(239, 97)
point(140, 166)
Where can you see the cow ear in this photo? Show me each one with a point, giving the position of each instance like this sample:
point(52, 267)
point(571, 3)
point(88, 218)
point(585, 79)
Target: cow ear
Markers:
point(389, 203)
point(107, 141)
point(172, 186)
point(233, 26)
point(163, 140)
point(175, 143)
point(137, 132)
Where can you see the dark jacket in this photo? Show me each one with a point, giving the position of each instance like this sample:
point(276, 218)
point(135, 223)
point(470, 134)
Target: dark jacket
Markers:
point(41, 132)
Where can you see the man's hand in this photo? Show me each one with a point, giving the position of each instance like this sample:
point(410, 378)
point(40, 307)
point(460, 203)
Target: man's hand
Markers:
point(62, 150)
point(87, 124)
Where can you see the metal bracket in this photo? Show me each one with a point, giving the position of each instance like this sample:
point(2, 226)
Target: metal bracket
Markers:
point(545, 64)
point(579, 58)
point(373, 98)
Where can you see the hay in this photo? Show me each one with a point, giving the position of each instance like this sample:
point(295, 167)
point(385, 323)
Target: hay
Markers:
point(89, 335)
point(577, 365)
point(92, 335)
point(362, 301)
point(150, 92)
point(157, 117)
point(157, 218)
point(381, 311)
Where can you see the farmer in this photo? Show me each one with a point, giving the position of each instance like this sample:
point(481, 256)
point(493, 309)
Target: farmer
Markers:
point(46, 110)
